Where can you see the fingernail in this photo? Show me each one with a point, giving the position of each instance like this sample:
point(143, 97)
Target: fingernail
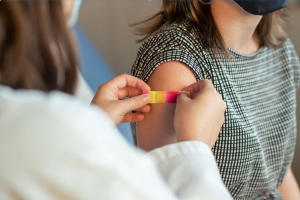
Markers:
point(146, 97)
point(145, 92)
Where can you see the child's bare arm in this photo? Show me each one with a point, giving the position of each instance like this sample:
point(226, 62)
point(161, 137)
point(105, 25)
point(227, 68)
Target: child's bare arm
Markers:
point(157, 128)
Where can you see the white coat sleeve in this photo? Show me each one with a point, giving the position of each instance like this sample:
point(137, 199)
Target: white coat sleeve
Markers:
point(59, 149)
point(190, 170)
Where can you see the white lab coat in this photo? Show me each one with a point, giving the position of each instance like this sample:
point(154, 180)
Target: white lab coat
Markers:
point(54, 147)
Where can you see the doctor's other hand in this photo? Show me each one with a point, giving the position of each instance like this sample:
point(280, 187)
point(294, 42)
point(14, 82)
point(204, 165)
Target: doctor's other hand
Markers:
point(201, 117)
point(120, 96)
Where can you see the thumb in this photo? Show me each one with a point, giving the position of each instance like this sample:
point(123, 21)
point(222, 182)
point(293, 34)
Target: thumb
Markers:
point(183, 98)
point(198, 86)
point(135, 103)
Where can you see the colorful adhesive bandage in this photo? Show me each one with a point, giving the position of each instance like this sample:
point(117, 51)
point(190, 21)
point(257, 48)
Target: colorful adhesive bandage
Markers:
point(164, 96)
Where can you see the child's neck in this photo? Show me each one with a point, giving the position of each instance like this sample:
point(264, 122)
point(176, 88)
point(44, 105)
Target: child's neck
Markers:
point(236, 26)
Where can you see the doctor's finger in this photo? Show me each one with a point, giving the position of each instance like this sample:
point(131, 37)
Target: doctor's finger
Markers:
point(146, 108)
point(133, 117)
point(125, 80)
point(199, 86)
point(129, 92)
point(134, 103)
point(183, 98)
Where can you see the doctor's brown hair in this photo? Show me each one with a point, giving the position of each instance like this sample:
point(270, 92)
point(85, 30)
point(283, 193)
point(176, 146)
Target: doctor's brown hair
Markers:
point(36, 47)
point(270, 30)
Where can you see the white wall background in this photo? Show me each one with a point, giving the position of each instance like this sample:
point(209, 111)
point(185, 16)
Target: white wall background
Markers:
point(106, 22)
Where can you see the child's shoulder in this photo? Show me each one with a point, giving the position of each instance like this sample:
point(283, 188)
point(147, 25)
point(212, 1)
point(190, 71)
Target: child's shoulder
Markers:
point(182, 28)
point(175, 35)
point(173, 42)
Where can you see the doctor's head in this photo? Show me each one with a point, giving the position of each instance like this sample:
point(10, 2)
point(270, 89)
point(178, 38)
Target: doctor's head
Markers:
point(37, 49)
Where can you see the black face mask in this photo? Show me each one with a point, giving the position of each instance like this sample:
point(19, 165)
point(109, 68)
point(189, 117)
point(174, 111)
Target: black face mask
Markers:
point(261, 7)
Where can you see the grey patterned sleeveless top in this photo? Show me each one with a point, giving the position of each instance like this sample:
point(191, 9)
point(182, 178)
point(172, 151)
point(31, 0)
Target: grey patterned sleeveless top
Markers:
point(256, 143)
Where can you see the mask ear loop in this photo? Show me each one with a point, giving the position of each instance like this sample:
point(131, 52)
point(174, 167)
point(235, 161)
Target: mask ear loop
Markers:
point(75, 13)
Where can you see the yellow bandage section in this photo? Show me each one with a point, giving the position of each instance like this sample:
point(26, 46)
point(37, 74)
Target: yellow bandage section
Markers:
point(157, 97)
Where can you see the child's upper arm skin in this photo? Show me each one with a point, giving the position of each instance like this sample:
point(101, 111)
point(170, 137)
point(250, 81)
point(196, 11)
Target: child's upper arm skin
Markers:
point(156, 129)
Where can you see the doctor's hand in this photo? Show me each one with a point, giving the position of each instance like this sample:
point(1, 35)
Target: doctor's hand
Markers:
point(110, 97)
point(201, 117)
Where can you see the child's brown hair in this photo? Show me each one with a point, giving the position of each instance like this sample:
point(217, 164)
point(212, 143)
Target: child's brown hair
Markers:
point(270, 30)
